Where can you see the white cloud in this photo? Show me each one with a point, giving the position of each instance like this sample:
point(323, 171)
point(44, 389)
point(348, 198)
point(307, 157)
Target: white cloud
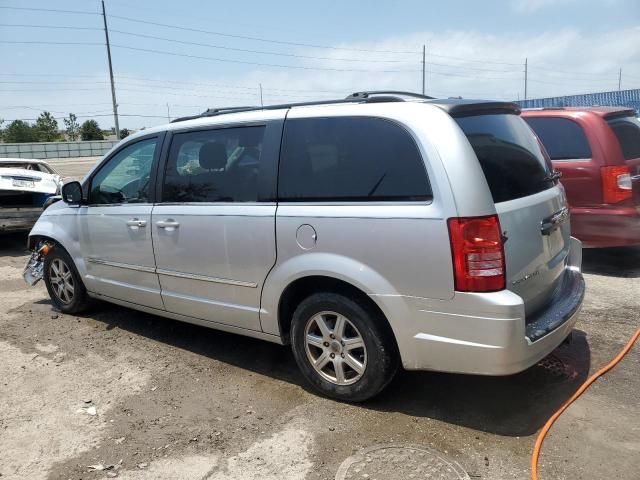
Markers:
point(561, 62)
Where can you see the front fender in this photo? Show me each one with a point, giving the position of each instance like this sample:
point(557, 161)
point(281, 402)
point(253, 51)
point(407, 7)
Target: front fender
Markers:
point(60, 223)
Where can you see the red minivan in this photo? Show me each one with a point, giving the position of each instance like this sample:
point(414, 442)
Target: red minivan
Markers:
point(597, 149)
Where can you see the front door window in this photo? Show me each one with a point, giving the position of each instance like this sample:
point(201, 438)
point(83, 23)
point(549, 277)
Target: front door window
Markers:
point(125, 177)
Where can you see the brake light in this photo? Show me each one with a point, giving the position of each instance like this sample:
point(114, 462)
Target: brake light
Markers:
point(478, 254)
point(616, 184)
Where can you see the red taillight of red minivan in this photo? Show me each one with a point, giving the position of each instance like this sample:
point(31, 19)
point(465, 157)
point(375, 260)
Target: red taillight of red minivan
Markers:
point(478, 254)
point(616, 184)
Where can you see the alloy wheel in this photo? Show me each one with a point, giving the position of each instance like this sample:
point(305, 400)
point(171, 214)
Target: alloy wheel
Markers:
point(335, 348)
point(61, 281)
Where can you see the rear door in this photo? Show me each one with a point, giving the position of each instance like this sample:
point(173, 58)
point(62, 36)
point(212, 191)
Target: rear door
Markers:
point(214, 226)
point(531, 205)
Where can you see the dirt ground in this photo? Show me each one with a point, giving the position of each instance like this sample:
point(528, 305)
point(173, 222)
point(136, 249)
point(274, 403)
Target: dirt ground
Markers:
point(151, 398)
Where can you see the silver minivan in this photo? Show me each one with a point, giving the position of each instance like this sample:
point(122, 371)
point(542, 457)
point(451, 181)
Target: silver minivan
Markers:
point(381, 230)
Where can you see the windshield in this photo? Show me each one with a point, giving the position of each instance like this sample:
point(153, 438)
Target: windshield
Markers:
point(627, 131)
point(509, 154)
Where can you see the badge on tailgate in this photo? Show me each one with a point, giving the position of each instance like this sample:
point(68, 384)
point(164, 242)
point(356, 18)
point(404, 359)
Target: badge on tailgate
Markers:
point(552, 222)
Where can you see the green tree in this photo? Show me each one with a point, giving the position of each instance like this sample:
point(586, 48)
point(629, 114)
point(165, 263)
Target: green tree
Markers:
point(72, 127)
point(47, 127)
point(20, 132)
point(125, 132)
point(90, 130)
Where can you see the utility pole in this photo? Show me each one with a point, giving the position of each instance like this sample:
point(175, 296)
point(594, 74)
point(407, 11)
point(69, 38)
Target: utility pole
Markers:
point(619, 79)
point(261, 102)
point(424, 67)
point(113, 88)
point(168, 115)
point(526, 72)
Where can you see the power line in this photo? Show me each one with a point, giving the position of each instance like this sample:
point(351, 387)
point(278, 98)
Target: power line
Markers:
point(59, 27)
point(215, 59)
point(92, 116)
point(257, 39)
point(35, 42)
point(464, 67)
point(243, 62)
point(262, 52)
point(474, 60)
point(46, 75)
point(50, 10)
point(59, 105)
point(175, 82)
point(50, 90)
point(555, 70)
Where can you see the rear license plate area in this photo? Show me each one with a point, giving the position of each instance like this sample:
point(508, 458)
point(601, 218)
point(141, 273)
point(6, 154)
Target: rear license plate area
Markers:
point(23, 183)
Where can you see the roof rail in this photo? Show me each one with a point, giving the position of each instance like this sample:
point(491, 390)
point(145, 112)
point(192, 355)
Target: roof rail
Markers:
point(360, 97)
point(367, 94)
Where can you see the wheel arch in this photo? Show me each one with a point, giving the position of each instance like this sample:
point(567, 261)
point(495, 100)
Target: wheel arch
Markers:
point(301, 288)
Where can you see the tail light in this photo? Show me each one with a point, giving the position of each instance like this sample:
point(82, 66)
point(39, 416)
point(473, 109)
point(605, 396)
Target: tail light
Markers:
point(616, 184)
point(478, 254)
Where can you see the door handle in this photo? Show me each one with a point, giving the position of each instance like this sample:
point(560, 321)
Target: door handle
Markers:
point(136, 222)
point(168, 224)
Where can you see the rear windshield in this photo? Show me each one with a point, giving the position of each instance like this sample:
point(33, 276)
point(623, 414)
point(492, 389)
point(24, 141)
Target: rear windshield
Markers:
point(627, 130)
point(36, 167)
point(509, 154)
point(564, 139)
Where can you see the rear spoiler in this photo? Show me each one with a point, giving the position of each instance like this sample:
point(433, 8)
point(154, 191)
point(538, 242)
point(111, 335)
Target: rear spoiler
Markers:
point(465, 108)
point(620, 113)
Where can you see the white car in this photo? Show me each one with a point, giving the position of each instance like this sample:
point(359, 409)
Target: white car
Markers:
point(25, 186)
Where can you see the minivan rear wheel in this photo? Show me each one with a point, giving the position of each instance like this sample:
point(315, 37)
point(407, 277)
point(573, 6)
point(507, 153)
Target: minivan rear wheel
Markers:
point(342, 347)
point(63, 282)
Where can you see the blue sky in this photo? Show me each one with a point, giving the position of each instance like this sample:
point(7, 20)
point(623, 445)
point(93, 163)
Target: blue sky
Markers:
point(474, 49)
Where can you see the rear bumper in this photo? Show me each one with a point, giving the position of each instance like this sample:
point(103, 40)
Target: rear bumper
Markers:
point(606, 227)
point(18, 219)
point(489, 334)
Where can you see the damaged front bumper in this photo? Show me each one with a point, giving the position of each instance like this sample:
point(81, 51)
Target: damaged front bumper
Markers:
point(34, 269)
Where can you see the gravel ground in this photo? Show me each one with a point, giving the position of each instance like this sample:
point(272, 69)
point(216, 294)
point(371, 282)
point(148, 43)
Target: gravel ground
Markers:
point(142, 397)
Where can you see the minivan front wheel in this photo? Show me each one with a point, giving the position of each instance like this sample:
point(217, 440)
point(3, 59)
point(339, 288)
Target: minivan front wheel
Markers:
point(341, 347)
point(63, 282)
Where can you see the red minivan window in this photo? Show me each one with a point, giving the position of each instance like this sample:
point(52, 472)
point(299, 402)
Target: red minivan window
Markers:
point(627, 131)
point(563, 139)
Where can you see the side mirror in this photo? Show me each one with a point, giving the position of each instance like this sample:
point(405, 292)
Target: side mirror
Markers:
point(72, 193)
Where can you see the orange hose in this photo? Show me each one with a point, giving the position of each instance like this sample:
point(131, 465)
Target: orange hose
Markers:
point(580, 391)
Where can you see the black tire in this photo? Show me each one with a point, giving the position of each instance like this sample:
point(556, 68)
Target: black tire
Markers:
point(381, 354)
point(78, 301)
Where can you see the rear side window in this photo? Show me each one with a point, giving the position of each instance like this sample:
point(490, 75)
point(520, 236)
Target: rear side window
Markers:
point(564, 139)
point(509, 154)
point(627, 131)
point(350, 159)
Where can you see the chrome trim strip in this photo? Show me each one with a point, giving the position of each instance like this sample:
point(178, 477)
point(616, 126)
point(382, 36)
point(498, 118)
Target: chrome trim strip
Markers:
point(172, 273)
point(128, 266)
point(205, 278)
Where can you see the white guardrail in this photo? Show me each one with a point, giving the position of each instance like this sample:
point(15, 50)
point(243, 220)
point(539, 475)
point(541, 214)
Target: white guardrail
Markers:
point(44, 150)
